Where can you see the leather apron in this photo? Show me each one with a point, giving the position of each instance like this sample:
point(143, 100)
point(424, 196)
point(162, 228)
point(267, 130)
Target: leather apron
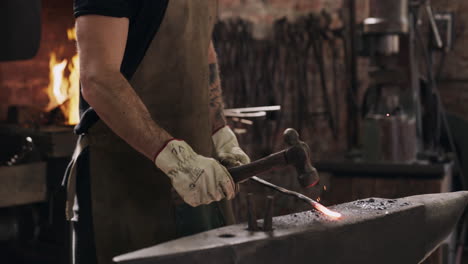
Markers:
point(131, 200)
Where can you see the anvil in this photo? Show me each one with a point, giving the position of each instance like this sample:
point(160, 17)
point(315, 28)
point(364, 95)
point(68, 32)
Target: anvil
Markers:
point(372, 230)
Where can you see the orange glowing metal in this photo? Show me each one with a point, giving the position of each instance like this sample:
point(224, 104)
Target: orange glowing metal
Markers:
point(317, 206)
point(326, 211)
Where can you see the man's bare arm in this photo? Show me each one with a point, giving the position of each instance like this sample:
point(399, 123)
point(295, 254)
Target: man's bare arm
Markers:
point(101, 46)
point(216, 97)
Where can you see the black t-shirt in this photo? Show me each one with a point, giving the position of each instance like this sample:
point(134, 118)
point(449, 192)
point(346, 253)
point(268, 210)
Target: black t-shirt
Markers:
point(145, 17)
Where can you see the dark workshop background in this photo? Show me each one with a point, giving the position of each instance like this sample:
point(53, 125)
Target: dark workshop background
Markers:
point(293, 53)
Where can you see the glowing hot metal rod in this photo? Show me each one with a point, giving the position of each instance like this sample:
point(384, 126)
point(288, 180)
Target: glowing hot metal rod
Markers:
point(317, 206)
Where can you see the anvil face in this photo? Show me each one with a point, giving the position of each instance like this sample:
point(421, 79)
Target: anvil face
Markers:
point(372, 230)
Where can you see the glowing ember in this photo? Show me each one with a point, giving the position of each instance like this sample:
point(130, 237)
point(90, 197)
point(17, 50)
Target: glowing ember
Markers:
point(326, 211)
point(63, 87)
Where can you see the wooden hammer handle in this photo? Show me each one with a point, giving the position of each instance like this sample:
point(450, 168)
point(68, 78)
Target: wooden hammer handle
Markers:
point(260, 166)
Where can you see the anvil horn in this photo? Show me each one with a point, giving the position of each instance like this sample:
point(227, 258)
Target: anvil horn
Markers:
point(372, 230)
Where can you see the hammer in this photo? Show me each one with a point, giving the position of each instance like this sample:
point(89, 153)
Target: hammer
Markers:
point(297, 155)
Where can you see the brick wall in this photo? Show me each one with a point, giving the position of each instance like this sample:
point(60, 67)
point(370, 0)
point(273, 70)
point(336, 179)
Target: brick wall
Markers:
point(23, 82)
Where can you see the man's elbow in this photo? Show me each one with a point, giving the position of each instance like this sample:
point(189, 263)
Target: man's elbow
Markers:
point(88, 85)
point(93, 83)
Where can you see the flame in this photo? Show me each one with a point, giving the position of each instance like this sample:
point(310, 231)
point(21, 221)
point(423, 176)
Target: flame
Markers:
point(57, 69)
point(326, 211)
point(71, 34)
point(74, 88)
point(63, 86)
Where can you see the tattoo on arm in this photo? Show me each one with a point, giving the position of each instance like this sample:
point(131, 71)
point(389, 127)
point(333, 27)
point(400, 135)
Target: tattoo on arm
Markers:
point(216, 99)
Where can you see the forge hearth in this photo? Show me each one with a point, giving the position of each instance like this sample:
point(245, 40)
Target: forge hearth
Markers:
point(370, 231)
point(31, 83)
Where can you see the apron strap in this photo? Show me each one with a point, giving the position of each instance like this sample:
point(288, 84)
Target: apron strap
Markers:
point(88, 119)
point(69, 179)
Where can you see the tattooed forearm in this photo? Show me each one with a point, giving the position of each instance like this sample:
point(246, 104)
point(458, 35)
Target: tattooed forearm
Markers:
point(215, 93)
point(216, 99)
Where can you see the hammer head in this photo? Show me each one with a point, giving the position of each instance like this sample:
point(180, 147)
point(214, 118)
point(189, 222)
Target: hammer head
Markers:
point(298, 155)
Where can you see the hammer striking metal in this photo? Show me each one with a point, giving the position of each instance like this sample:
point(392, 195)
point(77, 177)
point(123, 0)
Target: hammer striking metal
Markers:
point(296, 155)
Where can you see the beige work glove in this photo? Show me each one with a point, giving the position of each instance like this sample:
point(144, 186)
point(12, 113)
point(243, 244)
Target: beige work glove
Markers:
point(227, 148)
point(197, 179)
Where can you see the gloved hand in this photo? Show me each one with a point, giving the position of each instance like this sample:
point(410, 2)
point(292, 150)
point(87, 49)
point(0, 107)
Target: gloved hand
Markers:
point(227, 148)
point(197, 179)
